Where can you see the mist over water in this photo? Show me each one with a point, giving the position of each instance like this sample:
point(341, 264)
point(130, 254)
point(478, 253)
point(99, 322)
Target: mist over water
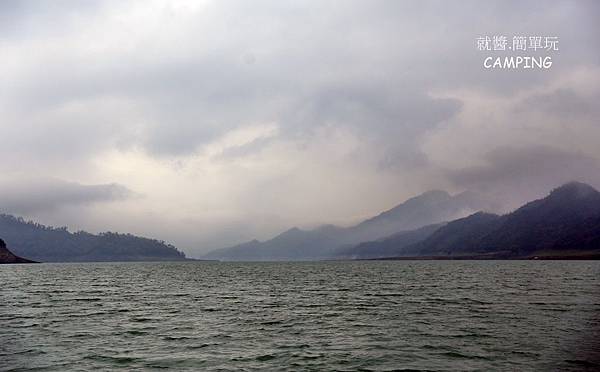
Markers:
point(422, 315)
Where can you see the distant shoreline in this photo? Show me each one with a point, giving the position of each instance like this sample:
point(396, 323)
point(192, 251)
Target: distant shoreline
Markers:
point(583, 257)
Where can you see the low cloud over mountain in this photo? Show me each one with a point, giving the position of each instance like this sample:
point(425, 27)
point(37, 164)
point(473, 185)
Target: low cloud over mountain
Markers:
point(40, 195)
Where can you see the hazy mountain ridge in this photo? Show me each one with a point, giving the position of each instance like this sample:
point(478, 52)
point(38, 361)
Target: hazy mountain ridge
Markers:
point(386, 247)
point(48, 244)
point(423, 210)
point(567, 220)
point(429, 208)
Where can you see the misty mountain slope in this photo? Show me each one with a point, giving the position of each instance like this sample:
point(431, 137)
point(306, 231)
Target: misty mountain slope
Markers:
point(568, 219)
point(293, 244)
point(47, 244)
point(462, 235)
point(386, 247)
point(429, 208)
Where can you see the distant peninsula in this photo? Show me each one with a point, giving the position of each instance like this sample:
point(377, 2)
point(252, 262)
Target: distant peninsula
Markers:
point(7, 257)
point(49, 244)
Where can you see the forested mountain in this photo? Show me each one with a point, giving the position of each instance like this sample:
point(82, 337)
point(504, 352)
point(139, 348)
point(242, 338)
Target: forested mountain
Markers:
point(390, 246)
point(566, 222)
point(431, 207)
point(456, 237)
point(48, 244)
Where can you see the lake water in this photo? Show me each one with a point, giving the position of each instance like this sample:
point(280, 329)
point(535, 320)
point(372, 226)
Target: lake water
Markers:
point(209, 316)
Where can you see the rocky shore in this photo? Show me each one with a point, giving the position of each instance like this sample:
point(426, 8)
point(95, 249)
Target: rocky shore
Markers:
point(7, 257)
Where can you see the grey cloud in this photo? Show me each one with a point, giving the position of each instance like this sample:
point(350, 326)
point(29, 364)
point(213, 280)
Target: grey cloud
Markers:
point(564, 103)
point(373, 69)
point(30, 196)
point(20, 19)
point(516, 175)
point(169, 86)
point(241, 151)
point(391, 118)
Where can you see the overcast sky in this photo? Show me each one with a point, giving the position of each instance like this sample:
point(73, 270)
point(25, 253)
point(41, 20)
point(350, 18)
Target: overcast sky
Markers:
point(208, 123)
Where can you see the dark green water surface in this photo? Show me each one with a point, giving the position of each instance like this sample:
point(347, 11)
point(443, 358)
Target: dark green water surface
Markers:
point(321, 316)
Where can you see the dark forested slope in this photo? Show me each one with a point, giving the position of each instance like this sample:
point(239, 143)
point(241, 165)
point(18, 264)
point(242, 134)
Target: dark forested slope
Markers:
point(49, 244)
point(566, 222)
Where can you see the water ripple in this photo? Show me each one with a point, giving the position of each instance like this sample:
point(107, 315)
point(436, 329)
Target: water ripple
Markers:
point(346, 316)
